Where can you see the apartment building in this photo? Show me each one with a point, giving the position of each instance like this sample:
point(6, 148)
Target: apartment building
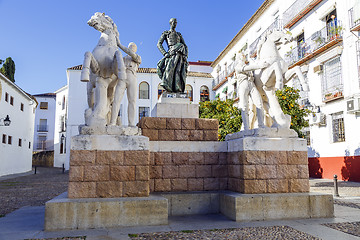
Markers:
point(326, 39)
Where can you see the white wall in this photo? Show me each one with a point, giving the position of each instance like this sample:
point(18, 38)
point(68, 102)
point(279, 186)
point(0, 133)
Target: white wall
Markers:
point(60, 127)
point(15, 158)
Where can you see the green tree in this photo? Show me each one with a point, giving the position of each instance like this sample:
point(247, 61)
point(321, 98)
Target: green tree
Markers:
point(8, 69)
point(288, 97)
point(228, 115)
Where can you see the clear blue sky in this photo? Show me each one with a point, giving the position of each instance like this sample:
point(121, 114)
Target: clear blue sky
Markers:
point(45, 37)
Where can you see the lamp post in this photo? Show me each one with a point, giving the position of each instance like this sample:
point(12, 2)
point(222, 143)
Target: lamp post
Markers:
point(5, 121)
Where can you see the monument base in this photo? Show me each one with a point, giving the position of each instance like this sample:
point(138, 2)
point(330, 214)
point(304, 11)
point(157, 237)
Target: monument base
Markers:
point(176, 105)
point(64, 213)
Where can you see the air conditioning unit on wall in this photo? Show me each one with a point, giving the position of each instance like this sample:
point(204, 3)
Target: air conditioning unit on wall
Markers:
point(353, 105)
point(317, 119)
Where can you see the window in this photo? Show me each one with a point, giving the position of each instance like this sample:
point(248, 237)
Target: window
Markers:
point(358, 58)
point(204, 94)
point(20, 142)
point(22, 107)
point(11, 100)
point(189, 92)
point(41, 145)
point(143, 112)
point(62, 144)
point(42, 127)
point(331, 24)
point(44, 105)
point(6, 97)
point(144, 90)
point(332, 78)
point(63, 103)
point(9, 140)
point(301, 45)
point(160, 90)
point(29, 145)
point(307, 137)
point(338, 128)
point(62, 124)
point(4, 138)
point(235, 94)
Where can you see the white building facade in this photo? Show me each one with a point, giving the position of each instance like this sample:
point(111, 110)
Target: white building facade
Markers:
point(326, 38)
point(44, 125)
point(17, 138)
point(198, 87)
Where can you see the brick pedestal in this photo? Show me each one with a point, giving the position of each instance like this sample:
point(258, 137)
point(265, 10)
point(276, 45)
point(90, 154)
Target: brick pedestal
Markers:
point(96, 172)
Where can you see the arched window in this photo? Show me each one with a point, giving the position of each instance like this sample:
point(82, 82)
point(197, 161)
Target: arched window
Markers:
point(160, 90)
point(189, 91)
point(144, 90)
point(63, 103)
point(204, 94)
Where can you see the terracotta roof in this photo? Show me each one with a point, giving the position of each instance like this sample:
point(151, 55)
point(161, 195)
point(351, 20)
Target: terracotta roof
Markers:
point(154, 70)
point(201, 63)
point(243, 30)
point(45, 95)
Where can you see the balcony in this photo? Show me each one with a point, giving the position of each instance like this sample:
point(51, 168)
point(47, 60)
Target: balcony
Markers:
point(42, 128)
point(44, 146)
point(354, 18)
point(277, 24)
point(297, 11)
point(316, 44)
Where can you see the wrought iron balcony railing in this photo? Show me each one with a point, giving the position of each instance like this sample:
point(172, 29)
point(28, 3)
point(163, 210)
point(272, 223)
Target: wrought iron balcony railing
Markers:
point(354, 18)
point(309, 47)
point(42, 128)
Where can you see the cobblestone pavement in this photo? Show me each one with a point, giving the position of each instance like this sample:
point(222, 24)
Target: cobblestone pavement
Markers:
point(32, 189)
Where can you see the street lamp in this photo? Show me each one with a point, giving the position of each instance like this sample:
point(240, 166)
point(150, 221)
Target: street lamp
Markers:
point(5, 122)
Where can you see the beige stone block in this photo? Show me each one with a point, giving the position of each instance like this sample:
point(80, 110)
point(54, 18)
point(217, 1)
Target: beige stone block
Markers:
point(206, 124)
point(142, 173)
point(196, 135)
point(211, 158)
point(122, 173)
point(219, 171)
point(187, 171)
point(152, 134)
point(170, 171)
point(166, 135)
point(254, 186)
point(299, 185)
point(303, 171)
point(236, 185)
point(109, 189)
point(76, 174)
point(277, 186)
point(178, 184)
point(196, 158)
point(152, 159)
point(275, 157)
point(96, 173)
point(137, 158)
point(163, 158)
point(109, 157)
point(188, 123)
point(82, 190)
point(182, 135)
point(180, 158)
point(156, 172)
point(321, 205)
point(234, 158)
point(222, 158)
point(223, 183)
point(152, 123)
point(173, 123)
point(195, 184)
point(136, 189)
point(287, 171)
point(152, 185)
point(253, 157)
point(248, 171)
point(82, 157)
point(211, 184)
point(162, 185)
point(266, 171)
point(203, 171)
point(234, 171)
point(211, 135)
point(297, 157)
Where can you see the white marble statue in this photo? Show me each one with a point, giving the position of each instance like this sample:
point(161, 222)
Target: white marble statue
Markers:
point(102, 69)
point(275, 76)
point(132, 62)
point(247, 89)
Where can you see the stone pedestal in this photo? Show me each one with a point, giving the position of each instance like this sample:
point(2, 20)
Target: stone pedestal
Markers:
point(176, 105)
point(267, 161)
point(106, 166)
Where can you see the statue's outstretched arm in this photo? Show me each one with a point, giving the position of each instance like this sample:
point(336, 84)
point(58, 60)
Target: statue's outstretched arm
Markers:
point(136, 58)
point(160, 44)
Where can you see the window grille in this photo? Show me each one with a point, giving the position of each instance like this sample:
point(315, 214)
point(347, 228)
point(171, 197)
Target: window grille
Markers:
point(338, 127)
point(143, 112)
point(332, 77)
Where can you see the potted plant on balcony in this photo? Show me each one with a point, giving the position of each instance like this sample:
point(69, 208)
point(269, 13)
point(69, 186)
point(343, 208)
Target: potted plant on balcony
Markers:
point(328, 96)
point(334, 32)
